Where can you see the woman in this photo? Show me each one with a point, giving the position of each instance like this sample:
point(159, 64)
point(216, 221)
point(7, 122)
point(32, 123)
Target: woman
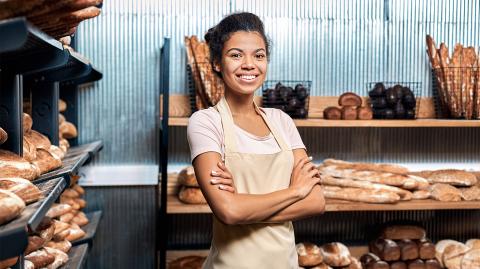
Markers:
point(250, 162)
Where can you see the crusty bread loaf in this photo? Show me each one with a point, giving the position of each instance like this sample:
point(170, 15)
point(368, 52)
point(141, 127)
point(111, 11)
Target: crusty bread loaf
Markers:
point(67, 130)
point(80, 219)
point(445, 193)
point(61, 258)
point(398, 265)
point(61, 236)
point(46, 161)
point(349, 99)
point(29, 150)
point(379, 167)
point(308, 254)
point(440, 248)
point(12, 165)
point(58, 209)
point(385, 249)
point(453, 177)
point(186, 177)
point(421, 194)
point(40, 258)
point(332, 113)
point(473, 243)
point(192, 262)
point(38, 140)
point(453, 255)
point(471, 259)
point(408, 249)
point(470, 193)
point(349, 113)
point(34, 243)
point(3, 136)
point(75, 232)
point(335, 254)
point(399, 232)
point(64, 245)
point(23, 188)
point(191, 195)
point(364, 113)
point(60, 226)
point(47, 232)
point(360, 195)
point(10, 206)
point(426, 249)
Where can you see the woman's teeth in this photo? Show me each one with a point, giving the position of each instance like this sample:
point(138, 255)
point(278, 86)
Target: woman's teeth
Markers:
point(247, 77)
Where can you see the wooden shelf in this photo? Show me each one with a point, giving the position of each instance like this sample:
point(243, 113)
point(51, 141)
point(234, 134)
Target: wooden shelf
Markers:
point(317, 122)
point(175, 206)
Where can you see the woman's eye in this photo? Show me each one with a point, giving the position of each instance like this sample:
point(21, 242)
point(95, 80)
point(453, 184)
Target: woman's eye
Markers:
point(236, 55)
point(260, 56)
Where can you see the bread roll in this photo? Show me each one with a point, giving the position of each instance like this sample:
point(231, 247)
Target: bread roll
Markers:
point(27, 123)
point(332, 113)
point(64, 245)
point(62, 105)
point(445, 193)
point(471, 193)
point(349, 99)
point(426, 249)
point(398, 265)
point(432, 264)
point(471, 259)
point(385, 249)
point(408, 249)
point(367, 258)
point(335, 254)
point(473, 243)
point(349, 113)
point(58, 209)
point(40, 258)
point(61, 258)
point(34, 243)
point(421, 194)
point(308, 254)
point(360, 195)
point(68, 130)
point(23, 188)
point(80, 219)
point(398, 232)
point(3, 136)
point(8, 262)
point(193, 262)
point(364, 113)
point(11, 206)
point(192, 195)
point(75, 233)
point(416, 264)
point(453, 177)
point(186, 177)
point(12, 165)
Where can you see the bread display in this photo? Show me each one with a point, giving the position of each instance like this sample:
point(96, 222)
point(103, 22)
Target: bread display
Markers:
point(191, 262)
point(11, 206)
point(335, 254)
point(308, 254)
point(23, 188)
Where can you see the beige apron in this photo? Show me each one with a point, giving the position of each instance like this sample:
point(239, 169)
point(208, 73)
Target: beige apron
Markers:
point(253, 245)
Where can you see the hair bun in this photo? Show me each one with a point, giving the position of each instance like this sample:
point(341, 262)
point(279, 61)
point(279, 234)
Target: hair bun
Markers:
point(209, 35)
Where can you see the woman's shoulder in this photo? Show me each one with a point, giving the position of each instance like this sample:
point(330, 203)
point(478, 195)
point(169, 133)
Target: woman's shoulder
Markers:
point(277, 116)
point(206, 116)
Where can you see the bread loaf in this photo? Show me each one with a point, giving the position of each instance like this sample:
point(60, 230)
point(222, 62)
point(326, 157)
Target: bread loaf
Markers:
point(399, 232)
point(408, 249)
point(58, 209)
point(416, 264)
point(47, 161)
point(61, 236)
point(471, 193)
point(39, 140)
point(27, 123)
point(12, 165)
point(34, 243)
point(60, 226)
point(79, 189)
point(471, 259)
point(193, 262)
point(186, 177)
point(68, 217)
point(453, 177)
point(68, 130)
point(332, 113)
point(426, 249)
point(335, 254)
point(192, 195)
point(56, 151)
point(63, 246)
point(8, 262)
point(378, 167)
point(453, 255)
point(440, 248)
point(29, 150)
point(360, 195)
point(3, 136)
point(308, 254)
point(473, 243)
point(11, 206)
point(398, 265)
point(75, 233)
point(40, 258)
point(445, 193)
point(364, 113)
point(377, 265)
point(349, 113)
point(421, 194)
point(367, 258)
point(28, 265)
point(385, 249)
point(80, 219)
point(349, 99)
point(47, 233)
point(23, 188)
point(61, 258)
point(432, 264)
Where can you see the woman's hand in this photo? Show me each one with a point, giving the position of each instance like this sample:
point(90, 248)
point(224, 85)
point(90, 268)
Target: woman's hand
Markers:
point(304, 177)
point(223, 178)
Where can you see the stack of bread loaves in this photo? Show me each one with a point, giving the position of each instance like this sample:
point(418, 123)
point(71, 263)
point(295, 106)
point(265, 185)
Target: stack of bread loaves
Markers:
point(351, 109)
point(190, 192)
point(329, 255)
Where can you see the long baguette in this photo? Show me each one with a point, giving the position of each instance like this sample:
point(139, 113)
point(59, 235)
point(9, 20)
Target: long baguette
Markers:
point(435, 61)
point(344, 182)
point(379, 167)
point(447, 76)
point(360, 195)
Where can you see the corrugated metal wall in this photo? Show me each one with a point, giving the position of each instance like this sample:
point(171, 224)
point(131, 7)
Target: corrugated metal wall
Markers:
point(339, 45)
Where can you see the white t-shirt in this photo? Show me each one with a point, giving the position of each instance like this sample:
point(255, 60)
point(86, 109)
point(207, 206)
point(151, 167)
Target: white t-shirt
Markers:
point(205, 133)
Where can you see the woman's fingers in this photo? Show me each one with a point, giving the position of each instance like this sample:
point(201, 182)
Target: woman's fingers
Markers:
point(226, 188)
point(223, 181)
point(223, 174)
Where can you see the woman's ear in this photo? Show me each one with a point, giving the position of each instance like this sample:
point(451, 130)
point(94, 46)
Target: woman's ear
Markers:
point(216, 67)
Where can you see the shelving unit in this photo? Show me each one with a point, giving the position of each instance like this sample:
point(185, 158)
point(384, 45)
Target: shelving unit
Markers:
point(35, 62)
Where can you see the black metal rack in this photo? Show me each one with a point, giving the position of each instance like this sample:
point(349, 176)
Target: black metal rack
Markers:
point(90, 229)
point(14, 235)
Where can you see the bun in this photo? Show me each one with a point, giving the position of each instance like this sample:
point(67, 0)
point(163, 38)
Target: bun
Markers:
point(308, 254)
point(187, 177)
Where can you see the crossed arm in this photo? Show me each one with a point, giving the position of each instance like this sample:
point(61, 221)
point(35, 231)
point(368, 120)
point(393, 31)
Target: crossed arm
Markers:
point(302, 199)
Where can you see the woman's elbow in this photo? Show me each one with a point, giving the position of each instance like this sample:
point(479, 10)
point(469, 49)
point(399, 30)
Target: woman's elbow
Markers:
point(228, 215)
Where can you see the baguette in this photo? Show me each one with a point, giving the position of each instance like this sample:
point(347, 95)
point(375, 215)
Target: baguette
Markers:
point(435, 62)
point(452, 177)
point(200, 101)
point(361, 195)
point(388, 168)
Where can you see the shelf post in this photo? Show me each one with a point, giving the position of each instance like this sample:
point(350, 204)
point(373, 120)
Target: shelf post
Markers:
point(69, 94)
point(11, 111)
point(45, 109)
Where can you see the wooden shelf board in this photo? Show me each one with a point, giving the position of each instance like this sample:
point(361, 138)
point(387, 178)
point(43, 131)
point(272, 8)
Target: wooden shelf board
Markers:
point(317, 122)
point(175, 206)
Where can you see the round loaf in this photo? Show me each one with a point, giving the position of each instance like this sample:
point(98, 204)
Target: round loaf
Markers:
point(473, 243)
point(308, 254)
point(12, 165)
point(440, 248)
point(186, 177)
point(10, 206)
point(349, 99)
point(349, 113)
point(471, 259)
point(364, 113)
point(332, 113)
point(453, 255)
point(190, 262)
point(336, 254)
point(191, 195)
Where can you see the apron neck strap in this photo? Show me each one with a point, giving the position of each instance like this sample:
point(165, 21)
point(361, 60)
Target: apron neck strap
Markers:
point(229, 127)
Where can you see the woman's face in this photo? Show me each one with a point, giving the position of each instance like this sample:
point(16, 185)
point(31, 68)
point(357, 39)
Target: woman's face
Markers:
point(244, 62)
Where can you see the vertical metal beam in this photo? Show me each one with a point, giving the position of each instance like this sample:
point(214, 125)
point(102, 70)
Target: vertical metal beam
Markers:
point(11, 111)
point(45, 109)
point(69, 94)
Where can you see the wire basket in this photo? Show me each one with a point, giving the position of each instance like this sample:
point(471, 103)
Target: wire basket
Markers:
point(395, 100)
point(458, 96)
point(290, 96)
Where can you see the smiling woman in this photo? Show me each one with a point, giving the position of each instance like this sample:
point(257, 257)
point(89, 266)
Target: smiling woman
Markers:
point(250, 162)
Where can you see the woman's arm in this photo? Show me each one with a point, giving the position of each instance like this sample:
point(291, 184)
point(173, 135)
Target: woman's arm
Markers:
point(234, 208)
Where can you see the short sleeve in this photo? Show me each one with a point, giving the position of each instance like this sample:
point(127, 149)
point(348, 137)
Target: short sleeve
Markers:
point(204, 132)
point(291, 132)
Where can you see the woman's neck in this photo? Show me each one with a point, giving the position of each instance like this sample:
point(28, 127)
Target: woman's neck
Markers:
point(240, 104)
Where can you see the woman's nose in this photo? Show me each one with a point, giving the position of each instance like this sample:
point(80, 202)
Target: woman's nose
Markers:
point(248, 63)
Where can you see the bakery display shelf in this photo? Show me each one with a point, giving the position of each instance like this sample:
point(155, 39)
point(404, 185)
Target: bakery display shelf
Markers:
point(313, 122)
point(91, 148)
point(175, 206)
point(24, 48)
point(90, 229)
point(92, 76)
point(13, 235)
point(77, 256)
